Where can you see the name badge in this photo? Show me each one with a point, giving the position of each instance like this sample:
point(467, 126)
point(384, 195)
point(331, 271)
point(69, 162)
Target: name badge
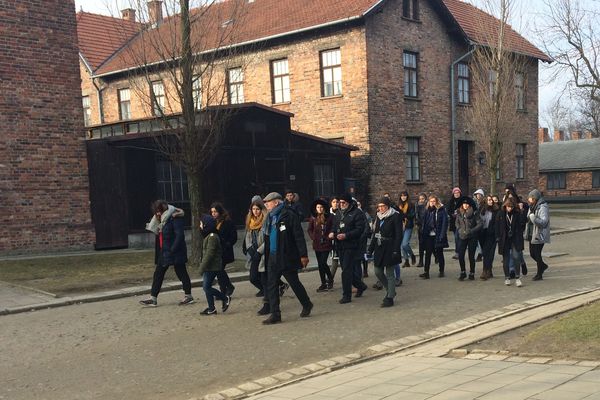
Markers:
point(282, 228)
point(342, 225)
point(378, 235)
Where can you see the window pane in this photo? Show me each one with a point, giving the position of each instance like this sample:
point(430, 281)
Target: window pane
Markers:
point(596, 179)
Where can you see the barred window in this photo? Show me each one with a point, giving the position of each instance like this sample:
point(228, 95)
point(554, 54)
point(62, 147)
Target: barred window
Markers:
point(557, 180)
point(331, 73)
point(520, 161)
point(324, 179)
point(172, 182)
point(520, 91)
point(410, 9)
point(124, 98)
point(413, 167)
point(280, 81)
point(596, 179)
point(410, 74)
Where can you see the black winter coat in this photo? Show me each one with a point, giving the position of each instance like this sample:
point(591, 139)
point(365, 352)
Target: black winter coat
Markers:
point(174, 250)
point(437, 217)
point(291, 245)
point(517, 227)
point(452, 206)
point(386, 241)
point(409, 217)
point(352, 224)
point(228, 235)
point(468, 223)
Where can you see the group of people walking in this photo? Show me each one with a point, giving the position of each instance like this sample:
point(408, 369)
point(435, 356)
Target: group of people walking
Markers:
point(345, 236)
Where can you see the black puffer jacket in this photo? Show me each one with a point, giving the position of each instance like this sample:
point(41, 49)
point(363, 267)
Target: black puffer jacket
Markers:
point(228, 235)
point(350, 222)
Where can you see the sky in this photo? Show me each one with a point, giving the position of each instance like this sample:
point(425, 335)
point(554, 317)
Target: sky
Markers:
point(528, 14)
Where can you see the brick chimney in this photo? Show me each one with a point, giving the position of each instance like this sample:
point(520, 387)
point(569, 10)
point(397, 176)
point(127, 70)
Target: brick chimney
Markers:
point(559, 135)
point(543, 135)
point(155, 14)
point(576, 135)
point(128, 14)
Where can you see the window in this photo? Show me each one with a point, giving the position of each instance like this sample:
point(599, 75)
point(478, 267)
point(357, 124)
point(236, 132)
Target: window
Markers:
point(413, 170)
point(324, 181)
point(124, 104)
point(172, 182)
point(87, 111)
point(557, 180)
point(197, 91)
point(596, 179)
point(520, 161)
point(280, 81)
point(464, 84)
point(520, 91)
point(331, 73)
point(235, 77)
point(492, 78)
point(410, 9)
point(158, 94)
point(410, 74)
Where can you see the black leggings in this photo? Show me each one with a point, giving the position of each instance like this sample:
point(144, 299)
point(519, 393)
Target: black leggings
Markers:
point(535, 250)
point(429, 247)
point(159, 276)
point(324, 271)
point(471, 245)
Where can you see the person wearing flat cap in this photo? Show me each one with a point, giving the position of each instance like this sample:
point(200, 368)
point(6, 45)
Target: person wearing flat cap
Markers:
point(285, 254)
point(348, 229)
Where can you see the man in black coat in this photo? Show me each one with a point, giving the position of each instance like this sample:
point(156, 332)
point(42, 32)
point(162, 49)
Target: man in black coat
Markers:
point(285, 255)
point(348, 228)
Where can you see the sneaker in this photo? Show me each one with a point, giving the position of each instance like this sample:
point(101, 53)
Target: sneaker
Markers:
point(226, 303)
point(507, 282)
point(322, 288)
point(330, 286)
point(387, 302)
point(282, 288)
point(378, 285)
point(149, 303)
point(209, 311)
point(186, 300)
point(462, 276)
point(537, 278)
point(306, 310)
point(360, 290)
point(273, 319)
point(424, 275)
point(471, 277)
point(398, 282)
point(345, 300)
point(518, 283)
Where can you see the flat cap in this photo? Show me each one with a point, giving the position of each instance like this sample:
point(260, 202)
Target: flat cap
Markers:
point(272, 196)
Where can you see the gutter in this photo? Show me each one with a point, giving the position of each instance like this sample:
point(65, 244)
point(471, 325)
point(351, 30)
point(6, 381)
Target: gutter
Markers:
point(453, 114)
point(233, 46)
point(99, 97)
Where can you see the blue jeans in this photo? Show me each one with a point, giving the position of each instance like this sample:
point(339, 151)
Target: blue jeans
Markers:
point(397, 271)
point(406, 250)
point(207, 279)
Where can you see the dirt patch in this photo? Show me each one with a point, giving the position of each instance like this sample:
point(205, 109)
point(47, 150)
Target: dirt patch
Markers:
point(575, 335)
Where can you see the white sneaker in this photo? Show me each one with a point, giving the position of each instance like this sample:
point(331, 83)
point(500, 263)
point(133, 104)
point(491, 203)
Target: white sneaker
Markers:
point(507, 282)
point(518, 283)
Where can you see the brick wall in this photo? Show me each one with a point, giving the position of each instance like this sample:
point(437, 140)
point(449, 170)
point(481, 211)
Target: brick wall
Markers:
point(578, 183)
point(44, 201)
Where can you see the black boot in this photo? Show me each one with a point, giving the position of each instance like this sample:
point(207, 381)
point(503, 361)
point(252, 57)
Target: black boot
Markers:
point(274, 318)
point(264, 310)
point(424, 275)
point(387, 302)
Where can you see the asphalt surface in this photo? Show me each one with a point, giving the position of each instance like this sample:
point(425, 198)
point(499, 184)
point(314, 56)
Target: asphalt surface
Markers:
point(117, 349)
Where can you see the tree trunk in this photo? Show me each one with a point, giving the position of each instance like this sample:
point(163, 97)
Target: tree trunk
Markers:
point(195, 191)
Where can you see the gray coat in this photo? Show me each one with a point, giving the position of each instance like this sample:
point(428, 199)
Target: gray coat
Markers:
point(260, 241)
point(538, 223)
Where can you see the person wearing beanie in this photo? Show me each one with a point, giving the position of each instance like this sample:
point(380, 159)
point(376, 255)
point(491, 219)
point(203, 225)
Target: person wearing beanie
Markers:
point(320, 225)
point(348, 229)
point(538, 230)
point(510, 192)
point(434, 235)
point(253, 246)
point(451, 207)
point(170, 249)
point(385, 243)
point(211, 264)
point(509, 232)
point(468, 224)
point(420, 210)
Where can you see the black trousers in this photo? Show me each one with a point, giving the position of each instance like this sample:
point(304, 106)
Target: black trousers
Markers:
point(488, 249)
point(429, 249)
point(274, 275)
point(324, 271)
point(254, 277)
point(421, 247)
point(350, 262)
point(464, 245)
point(224, 281)
point(159, 277)
point(535, 250)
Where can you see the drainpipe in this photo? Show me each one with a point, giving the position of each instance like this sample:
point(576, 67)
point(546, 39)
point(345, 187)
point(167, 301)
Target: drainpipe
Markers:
point(453, 118)
point(99, 97)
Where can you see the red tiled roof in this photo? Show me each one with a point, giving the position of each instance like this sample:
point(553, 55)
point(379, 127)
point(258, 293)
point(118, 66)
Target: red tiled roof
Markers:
point(263, 19)
point(99, 36)
point(482, 28)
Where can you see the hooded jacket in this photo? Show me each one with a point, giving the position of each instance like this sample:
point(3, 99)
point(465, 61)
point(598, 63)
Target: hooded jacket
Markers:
point(468, 223)
point(510, 233)
point(174, 249)
point(538, 220)
point(211, 247)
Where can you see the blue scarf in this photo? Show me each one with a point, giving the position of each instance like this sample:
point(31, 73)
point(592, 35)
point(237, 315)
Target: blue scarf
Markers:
point(272, 228)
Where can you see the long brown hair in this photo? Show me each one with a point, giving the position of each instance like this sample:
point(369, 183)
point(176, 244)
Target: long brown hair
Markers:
point(223, 214)
point(253, 222)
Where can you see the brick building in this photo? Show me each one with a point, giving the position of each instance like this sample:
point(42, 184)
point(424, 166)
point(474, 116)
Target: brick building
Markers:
point(569, 169)
point(44, 199)
point(372, 73)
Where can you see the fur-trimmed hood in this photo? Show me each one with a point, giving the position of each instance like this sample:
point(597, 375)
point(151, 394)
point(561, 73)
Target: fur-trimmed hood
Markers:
point(155, 226)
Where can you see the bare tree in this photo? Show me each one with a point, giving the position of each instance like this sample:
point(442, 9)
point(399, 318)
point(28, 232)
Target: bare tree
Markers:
point(557, 115)
point(588, 108)
point(499, 79)
point(571, 36)
point(179, 71)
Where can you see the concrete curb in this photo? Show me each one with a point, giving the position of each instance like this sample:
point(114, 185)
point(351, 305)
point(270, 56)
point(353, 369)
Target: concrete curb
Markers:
point(405, 343)
point(117, 294)
point(500, 355)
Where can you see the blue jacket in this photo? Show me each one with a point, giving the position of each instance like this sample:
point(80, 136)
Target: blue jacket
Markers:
point(174, 250)
point(439, 219)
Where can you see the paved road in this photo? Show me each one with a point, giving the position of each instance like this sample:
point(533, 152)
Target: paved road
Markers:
point(115, 349)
